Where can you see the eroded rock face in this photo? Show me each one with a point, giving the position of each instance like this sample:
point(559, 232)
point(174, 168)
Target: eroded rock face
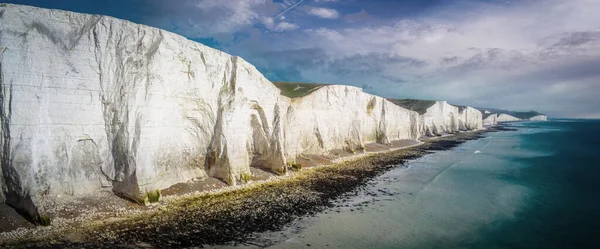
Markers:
point(506, 118)
point(92, 102)
point(4, 156)
point(469, 118)
point(344, 117)
point(490, 120)
point(539, 118)
point(439, 119)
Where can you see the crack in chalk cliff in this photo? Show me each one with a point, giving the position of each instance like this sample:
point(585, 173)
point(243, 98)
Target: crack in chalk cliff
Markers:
point(276, 143)
point(98, 57)
point(217, 162)
point(116, 111)
point(5, 131)
point(202, 57)
point(151, 51)
point(203, 60)
point(319, 137)
point(232, 81)
point(263, 117)
point(380, 132)
point(266, 147)
point(414, 130)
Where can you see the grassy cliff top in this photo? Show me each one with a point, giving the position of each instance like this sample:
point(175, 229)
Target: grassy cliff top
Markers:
point(461, 108)
point(296, 90)
point(417, 105)
point(521, 115)
point(485, 115)
point(525, 115)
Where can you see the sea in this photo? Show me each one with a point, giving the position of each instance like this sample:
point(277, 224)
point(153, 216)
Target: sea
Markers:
point(536, 186)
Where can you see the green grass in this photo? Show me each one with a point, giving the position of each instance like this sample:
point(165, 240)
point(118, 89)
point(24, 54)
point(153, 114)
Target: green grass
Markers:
point(417, 105)
point(296, 90)
point(245, 177)
point(296, 166)
point(151, 197)
point(43, 220)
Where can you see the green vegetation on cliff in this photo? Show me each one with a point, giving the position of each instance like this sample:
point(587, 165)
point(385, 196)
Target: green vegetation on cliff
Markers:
point(520, 115)
point(416, 105)
point(296, 90)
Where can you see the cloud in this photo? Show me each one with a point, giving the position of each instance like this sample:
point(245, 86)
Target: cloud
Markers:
point(280, 26)
point(325, 13)
point(289, 5)
point(212, 18)
point(360, 16)
point(325, 1)
point(505, 56)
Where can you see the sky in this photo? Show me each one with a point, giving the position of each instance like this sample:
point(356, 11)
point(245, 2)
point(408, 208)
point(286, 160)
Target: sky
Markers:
point(520, 55)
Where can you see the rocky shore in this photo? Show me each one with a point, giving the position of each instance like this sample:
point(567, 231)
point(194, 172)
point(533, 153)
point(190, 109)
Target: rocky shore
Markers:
point(233, 217)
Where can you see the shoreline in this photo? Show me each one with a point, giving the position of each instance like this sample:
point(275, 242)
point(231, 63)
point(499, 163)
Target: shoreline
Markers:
point(231, 215)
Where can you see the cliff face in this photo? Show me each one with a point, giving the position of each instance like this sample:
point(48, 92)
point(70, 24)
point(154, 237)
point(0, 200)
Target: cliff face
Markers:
point(490, 120)
point(92, 102)
point(494, 119)
point(506, 118)
point(539, 118)
point(469, 118)
point(440, 118)
point(344, 117)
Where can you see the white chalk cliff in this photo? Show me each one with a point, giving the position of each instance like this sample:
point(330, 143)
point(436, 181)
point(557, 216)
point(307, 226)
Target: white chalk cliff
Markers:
point(506, 118)
point(493, 119)
point(440, 118)
point(92, 102)
point(469, 118)
point(344, 117)
point(539, 118)
point(490, 120)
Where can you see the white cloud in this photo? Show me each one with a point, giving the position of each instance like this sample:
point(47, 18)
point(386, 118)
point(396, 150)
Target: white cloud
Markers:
point(497, 56)
point(283, 26)
point(280, 26)
point(206, 18)
point(325, 13)
point(325, 1)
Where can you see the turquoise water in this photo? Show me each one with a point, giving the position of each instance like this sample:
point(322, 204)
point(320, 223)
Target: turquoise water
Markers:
point(531, 188)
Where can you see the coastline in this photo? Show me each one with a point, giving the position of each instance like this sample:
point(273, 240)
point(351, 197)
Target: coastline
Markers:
point(230, 215)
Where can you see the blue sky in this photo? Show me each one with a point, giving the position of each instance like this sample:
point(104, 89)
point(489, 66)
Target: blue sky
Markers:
point(518, 55)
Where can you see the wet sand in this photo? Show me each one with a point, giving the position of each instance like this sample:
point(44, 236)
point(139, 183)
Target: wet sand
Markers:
point(232, 216)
